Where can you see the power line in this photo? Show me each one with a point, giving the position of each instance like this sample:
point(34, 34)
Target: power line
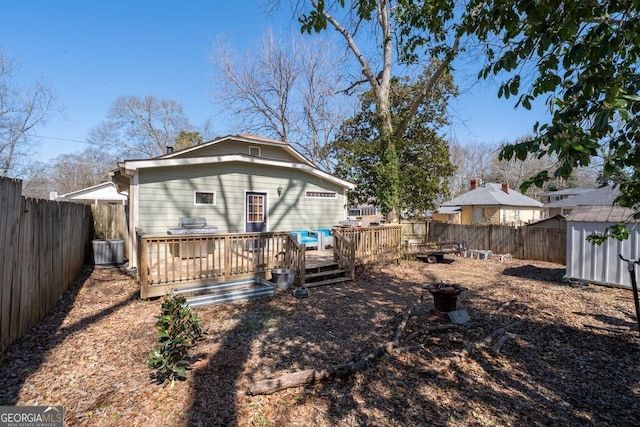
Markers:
point(63, 139)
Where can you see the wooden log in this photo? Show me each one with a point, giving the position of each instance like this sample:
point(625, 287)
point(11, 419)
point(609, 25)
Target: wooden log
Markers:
point(405, 320)
point(295, 379)
point(313, 376)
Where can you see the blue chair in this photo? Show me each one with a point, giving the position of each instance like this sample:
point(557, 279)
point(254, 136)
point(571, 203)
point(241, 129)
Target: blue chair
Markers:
point(305, 237)
point(324, 235)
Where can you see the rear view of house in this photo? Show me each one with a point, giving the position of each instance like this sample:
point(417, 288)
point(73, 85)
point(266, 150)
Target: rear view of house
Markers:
point(238, 183)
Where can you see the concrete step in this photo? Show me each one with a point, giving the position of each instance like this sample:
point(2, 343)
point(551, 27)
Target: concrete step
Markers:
point(215, 287)
point(257, 291)
point(219, 293)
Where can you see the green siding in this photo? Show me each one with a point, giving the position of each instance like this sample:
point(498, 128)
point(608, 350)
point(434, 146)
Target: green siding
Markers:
point(166, 194)
point(225, 148)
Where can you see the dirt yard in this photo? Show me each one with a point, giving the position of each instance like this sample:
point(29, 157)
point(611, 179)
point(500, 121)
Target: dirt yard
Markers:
point(537, 352)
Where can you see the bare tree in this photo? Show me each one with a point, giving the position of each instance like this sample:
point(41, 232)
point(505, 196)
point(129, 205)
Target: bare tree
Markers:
point(22, 110)
point(140, 126)
point(72, 172)
point(473, 160)
point(283, 90)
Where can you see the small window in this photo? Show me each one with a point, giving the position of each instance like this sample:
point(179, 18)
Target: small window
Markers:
point(320, 194)
point(254, 151)
point(205, 198)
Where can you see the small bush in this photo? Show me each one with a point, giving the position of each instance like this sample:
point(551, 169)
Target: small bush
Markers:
point(178, 330)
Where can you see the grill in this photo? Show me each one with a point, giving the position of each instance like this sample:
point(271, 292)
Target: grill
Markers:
point(192, 226)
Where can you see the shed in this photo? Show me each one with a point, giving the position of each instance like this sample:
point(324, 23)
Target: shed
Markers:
point(600, 263)
point(103, 193)
point(557, 221)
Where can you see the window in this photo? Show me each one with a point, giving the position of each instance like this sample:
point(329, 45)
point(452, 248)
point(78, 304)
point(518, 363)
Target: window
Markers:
point(254, 151)
point(205, 198)
point(320, 194)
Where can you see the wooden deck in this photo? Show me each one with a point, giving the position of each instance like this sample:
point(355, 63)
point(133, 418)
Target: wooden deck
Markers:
point(315, 258)
point(168, 262)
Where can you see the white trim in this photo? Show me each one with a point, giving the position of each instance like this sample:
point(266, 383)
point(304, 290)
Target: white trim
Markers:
point(255, 147)
point(134, 198)
point(307, 196)
point(133, 165)
point(266, 208)
point(195, 198)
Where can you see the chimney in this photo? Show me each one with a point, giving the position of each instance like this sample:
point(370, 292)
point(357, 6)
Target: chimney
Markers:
point(505, 187)
point(473, 184)
point(169, 149)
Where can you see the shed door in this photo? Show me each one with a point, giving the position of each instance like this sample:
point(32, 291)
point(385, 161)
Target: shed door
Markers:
point(256, 213)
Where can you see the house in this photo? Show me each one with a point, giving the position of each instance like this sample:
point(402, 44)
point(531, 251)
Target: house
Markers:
point(104, 193)
point(603, 196)
point(554, 196)
point(238, 183)
point(600, 263)
point(490, 203)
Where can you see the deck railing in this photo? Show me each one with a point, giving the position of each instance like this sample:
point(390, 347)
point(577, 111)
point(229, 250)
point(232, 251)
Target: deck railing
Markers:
point(167, 262)
point(344, 253)
point(370, 242)
point(295, 259)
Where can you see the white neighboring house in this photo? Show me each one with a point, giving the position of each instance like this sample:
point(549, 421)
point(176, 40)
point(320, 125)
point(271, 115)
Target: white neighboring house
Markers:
point(101, 194)
point(603, 196)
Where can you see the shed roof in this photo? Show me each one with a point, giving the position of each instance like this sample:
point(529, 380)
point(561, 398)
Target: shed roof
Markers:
point(491, 194)
point(608, 214)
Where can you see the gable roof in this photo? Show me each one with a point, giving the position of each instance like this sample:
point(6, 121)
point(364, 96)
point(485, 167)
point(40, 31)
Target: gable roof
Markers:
point(491, 194)
point(128, 167)
point(103, 191)
point(603, 196)
point(241, 137)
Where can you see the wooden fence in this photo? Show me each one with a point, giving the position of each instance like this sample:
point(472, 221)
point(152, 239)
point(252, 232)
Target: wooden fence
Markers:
point(110, 222)
point(42, 249)
point(534, 243)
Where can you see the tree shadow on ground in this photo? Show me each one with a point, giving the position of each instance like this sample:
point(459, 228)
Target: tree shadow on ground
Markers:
point(536, 273)
point(26, 355)
point(544, 373)
point(279, 332)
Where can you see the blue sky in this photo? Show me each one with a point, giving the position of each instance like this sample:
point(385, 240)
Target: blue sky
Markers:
point(91, 52)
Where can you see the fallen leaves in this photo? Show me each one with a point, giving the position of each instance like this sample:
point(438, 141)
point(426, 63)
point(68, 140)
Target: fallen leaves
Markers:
point(567, 354)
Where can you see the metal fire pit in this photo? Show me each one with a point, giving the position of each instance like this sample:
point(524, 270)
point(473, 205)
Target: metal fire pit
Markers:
point(445, 296)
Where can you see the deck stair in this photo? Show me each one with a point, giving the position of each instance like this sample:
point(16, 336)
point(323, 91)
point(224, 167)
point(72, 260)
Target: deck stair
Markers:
point(226, 292)
point(327, 274)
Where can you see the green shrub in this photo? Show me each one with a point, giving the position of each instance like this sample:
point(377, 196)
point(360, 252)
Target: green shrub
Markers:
point(178, 330)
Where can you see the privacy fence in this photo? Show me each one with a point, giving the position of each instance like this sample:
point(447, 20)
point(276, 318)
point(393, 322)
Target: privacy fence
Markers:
point(43, 246)
point(534, 243)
